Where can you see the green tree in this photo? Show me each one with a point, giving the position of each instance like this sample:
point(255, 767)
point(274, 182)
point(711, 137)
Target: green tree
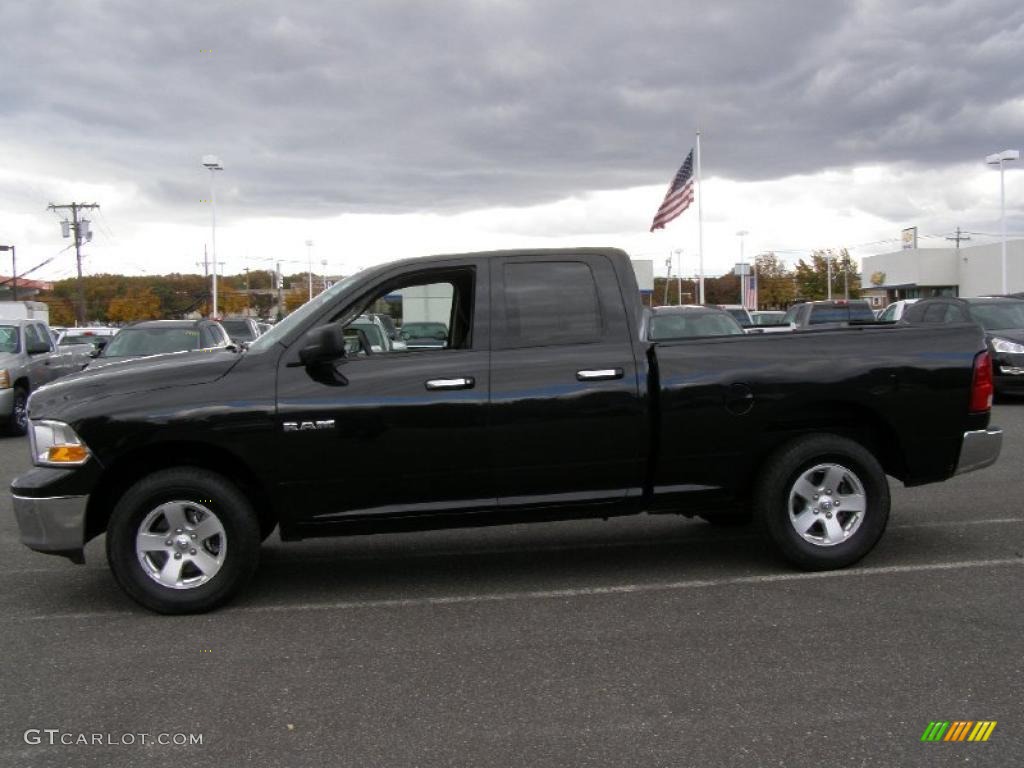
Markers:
point(812, 280)
point(775, 283)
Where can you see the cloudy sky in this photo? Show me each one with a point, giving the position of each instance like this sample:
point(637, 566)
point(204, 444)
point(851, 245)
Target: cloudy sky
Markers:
point(385, 129)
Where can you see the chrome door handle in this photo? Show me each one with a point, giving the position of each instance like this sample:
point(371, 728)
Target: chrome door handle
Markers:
point(465, 382)
point(599, 374)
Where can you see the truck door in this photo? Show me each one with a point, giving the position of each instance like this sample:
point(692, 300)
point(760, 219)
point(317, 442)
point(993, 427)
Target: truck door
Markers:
point(398, 431)
point(43, 365)
point(567, 420)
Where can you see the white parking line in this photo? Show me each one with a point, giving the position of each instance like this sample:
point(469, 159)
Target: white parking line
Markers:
point(294, 556)
point(556, 594)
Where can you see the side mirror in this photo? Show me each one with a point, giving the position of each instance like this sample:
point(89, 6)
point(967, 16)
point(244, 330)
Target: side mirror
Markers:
point(37, 347)
point(323, 344)
point(95, 352)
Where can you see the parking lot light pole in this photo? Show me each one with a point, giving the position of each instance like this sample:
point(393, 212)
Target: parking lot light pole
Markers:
point(743, 268)
point(211, 162)
point(14, 271)
point(1001, 159)
point(309, 258)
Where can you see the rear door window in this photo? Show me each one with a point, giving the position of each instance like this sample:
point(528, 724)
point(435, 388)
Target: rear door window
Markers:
point(549, 303)
point(33, 336)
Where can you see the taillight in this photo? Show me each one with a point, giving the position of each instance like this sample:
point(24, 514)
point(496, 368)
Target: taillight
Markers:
point(981, 385)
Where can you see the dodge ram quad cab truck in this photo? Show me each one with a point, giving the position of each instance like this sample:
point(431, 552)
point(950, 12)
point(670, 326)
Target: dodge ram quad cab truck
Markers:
point(29, 358)
point(546, 401)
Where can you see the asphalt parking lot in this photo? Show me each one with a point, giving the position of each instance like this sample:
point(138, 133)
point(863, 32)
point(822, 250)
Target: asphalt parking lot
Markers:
point(643, 641)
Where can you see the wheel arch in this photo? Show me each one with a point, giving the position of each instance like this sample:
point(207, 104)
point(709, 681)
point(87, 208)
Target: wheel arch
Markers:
point(852, 420)
point(122, 474)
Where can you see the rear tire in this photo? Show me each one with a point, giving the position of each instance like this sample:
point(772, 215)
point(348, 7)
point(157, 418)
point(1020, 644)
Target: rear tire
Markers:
point(822, 501)
point(183, 540)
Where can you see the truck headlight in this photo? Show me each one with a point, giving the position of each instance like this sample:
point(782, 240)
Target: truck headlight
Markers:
point(5, 379)
point(1007, 346)
point(55, 444)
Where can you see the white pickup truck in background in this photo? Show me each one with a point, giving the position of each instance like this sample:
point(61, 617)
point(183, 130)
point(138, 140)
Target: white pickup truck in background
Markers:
point(29, 358)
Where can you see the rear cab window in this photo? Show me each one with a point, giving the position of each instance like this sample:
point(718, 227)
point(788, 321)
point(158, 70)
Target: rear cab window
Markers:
point(555, 300)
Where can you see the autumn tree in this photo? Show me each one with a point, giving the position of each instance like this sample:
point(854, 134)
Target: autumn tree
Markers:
point(138, 304)
point(232, 303)
point(295, 299)
point(62, 309)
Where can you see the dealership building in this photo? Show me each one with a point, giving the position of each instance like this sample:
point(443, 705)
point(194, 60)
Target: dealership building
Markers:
point(916, 273)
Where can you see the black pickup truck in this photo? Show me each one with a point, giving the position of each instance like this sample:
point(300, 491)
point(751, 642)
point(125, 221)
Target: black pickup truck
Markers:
point(546, 401)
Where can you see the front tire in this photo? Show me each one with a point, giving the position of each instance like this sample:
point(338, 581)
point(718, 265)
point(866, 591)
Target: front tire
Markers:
point(18, 424)
point(822, 501)
point(183, 540)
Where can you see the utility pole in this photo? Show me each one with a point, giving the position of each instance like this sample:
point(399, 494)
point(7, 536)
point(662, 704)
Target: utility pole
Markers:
point(247, 294)
point(205, 262)
point(960, 235)
point(668, 277)
point(309, 257)
point(79, 228)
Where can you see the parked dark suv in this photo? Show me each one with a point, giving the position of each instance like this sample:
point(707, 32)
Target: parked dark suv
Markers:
point(833, 313)
point(157, 337)
point(1001, 317)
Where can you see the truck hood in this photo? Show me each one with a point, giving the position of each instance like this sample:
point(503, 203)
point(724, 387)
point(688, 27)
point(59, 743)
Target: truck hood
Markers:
point(135, 375)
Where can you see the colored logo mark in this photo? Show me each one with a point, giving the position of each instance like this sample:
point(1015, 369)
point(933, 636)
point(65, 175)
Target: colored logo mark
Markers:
point(959, 730)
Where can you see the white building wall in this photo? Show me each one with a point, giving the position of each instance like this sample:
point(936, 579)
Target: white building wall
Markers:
point(427, 303)
point(644, 269)
point(976, 270)
point(981, 268)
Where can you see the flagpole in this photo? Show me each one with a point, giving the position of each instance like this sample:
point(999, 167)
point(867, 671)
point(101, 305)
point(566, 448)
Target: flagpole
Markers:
point(700, 225)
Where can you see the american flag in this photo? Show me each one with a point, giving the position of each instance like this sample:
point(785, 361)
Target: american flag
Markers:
point(750, 296)
point(678, 197)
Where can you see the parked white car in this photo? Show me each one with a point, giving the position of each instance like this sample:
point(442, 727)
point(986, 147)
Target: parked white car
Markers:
point(895, 311)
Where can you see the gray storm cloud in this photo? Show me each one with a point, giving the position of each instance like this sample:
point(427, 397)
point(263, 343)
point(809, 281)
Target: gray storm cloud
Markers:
point(323, 107)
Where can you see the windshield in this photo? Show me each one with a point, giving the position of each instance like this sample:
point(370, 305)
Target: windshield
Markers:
point(238, 330)
point(373, 333)
point(283, 328)
point(741, 317)
point(769, 318)
point(1001, 316)
point(841, 313)
point(685, 325)
point(437, 331)
point(134, 342)
point(8, 338)
point(90, 338)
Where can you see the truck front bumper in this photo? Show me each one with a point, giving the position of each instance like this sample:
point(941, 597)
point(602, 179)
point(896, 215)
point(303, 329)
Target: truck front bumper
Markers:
point(980, 449)
point(54, 524)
